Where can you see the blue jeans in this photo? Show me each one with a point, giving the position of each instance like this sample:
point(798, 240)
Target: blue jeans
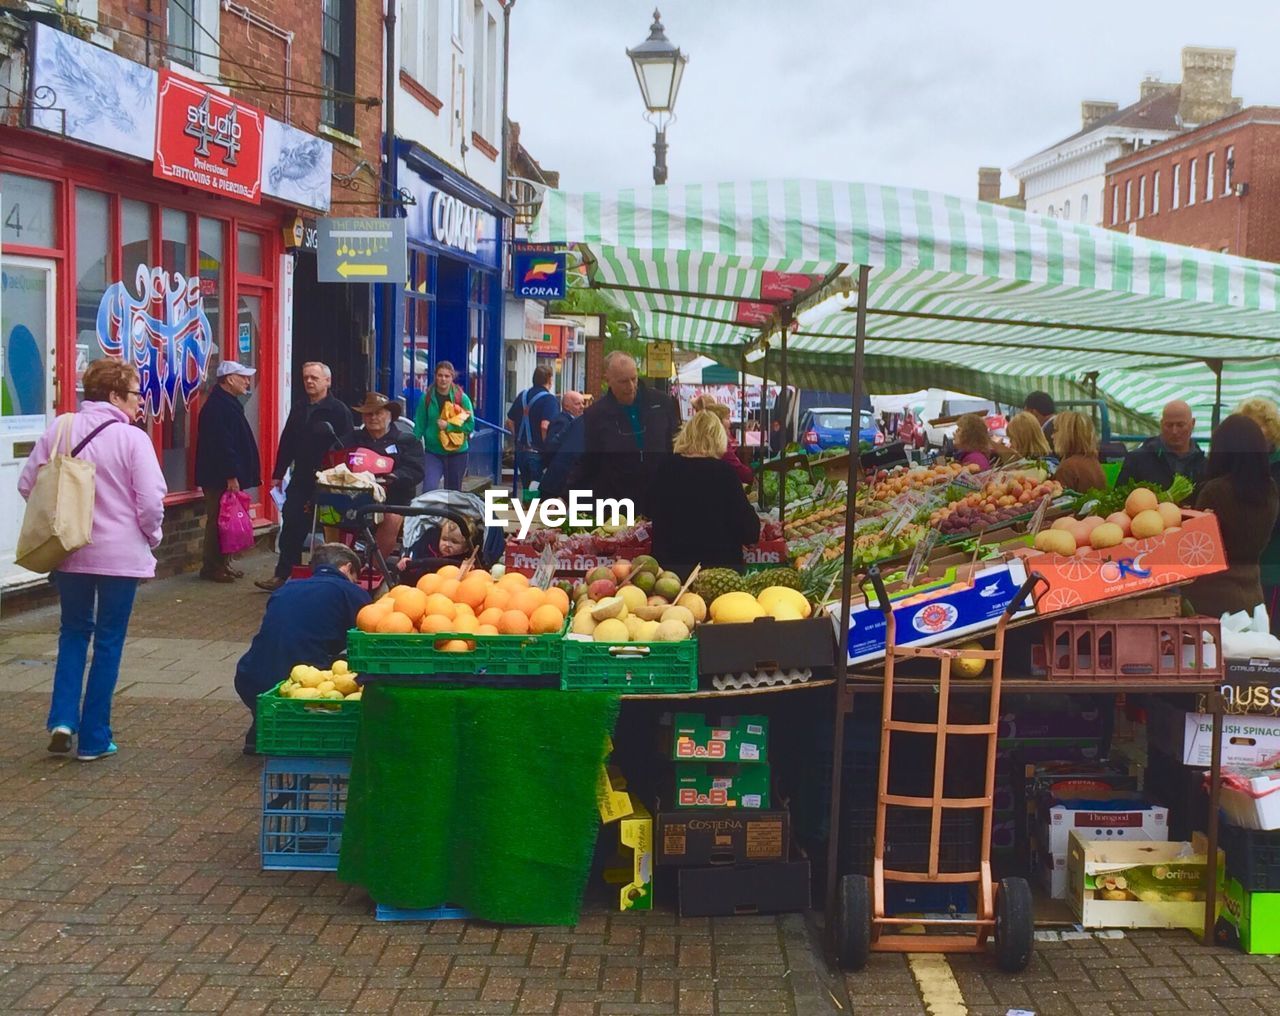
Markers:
point(449, 468)
point(105, 621)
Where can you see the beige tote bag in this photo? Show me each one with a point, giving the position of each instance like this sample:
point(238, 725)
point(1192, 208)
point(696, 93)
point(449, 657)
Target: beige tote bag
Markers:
point(59, 515)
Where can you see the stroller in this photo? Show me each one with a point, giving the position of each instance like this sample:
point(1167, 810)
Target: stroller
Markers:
point(423, 517)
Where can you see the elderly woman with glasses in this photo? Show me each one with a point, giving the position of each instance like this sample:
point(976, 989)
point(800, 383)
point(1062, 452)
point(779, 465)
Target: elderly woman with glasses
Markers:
point(97, 583)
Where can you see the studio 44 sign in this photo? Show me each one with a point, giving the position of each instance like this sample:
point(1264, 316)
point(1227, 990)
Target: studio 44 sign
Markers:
point(207, 140)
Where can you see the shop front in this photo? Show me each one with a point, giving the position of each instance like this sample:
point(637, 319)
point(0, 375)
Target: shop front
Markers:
point(117, 253)
point(451, 307)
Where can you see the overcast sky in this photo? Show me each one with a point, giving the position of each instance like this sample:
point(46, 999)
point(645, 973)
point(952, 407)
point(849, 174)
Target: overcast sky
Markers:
point(915, 92)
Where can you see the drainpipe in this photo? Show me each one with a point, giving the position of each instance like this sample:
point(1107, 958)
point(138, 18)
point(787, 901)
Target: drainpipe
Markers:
point(256, 20)
point(388, 193)
point(506, 91)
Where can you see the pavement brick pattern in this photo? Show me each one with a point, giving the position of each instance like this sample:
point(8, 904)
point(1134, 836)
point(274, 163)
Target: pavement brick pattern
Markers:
point(133, 885)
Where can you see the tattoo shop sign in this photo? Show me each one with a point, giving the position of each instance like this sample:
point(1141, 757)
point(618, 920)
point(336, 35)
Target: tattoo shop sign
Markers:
point(205, 139)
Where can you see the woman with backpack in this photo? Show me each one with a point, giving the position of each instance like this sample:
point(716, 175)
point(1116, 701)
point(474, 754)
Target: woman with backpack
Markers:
point(97, 582)
point(444, 423)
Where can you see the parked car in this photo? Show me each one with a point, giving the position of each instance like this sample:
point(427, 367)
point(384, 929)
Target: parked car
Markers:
point(940, 419)
point(828, 427)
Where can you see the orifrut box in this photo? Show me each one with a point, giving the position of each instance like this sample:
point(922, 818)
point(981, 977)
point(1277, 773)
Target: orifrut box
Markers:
point(1136, 884)
point(1103, 815)
point(733, 739)
point(965, 607)
point(1188, 737)
point(722, 786)
point(635, 845)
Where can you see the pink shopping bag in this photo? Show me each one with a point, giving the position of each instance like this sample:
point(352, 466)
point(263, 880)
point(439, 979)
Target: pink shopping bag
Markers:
point(235, 527)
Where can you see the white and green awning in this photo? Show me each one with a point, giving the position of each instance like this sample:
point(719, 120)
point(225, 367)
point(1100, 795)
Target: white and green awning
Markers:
point(960, 291)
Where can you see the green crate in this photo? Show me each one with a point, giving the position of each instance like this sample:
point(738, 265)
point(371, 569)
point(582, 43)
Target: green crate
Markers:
point(638, 668)
point(288, 726)
point(504, 655)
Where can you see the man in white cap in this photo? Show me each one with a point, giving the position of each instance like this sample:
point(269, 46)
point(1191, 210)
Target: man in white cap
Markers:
point(226, 458)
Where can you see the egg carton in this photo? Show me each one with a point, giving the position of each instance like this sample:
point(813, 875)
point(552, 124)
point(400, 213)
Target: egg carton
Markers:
point(760, 679)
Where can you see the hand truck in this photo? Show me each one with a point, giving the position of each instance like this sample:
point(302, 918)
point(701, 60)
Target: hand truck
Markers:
point(1004, 911)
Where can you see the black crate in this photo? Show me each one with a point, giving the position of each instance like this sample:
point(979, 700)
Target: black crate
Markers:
point(907, 840)
point(1253, 857)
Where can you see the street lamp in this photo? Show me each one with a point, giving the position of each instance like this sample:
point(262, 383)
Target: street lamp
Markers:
point(659, 67)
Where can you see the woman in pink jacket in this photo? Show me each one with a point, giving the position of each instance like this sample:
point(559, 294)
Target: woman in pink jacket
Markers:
point(97, 583)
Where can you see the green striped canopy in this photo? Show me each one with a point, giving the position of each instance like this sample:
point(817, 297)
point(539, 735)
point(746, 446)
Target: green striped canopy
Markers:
point(963, 294)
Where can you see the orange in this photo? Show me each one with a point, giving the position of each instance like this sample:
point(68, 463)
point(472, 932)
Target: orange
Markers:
point(463, 608)
point(497, 598)
point(513, 622)
point(546, 620)
point(449, 588)
point(395, 623)
point(397, 591)
point(449, 571)
point(513, 581)
point(490, 616)
point(558, 597)
point(430, 583)
point(471, 591)
point(433, 623)
point(412, 603)
point(527, 601)
point(465, 622)
point(487, 629)
point(438, 603)
point(455, 646)
point(370, 615)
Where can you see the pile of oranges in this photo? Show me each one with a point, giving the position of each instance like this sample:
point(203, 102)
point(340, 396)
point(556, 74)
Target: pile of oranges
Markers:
point(473, 604)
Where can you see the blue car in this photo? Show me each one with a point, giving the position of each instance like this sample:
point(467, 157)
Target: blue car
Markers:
point(828, 427)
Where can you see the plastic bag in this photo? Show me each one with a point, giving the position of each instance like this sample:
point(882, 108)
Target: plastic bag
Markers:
point(235, 527)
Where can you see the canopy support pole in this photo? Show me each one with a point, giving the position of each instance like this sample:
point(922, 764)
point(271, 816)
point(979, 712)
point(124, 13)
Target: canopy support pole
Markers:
point(844, 701)
point(766, 425)
point(784, 326)
point(1216, 367)
point(742, 400)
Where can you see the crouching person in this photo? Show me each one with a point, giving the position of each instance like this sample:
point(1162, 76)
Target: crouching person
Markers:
point(306, 621)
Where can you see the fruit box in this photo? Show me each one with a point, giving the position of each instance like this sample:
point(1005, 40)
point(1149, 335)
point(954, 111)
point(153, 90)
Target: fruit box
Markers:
point(1249, 686)
point(734, 739)
point(507, 655)
point(721, 786)
point(742, 889)
point(1188, 737)
point(633, 871)
point(1114, 815)
point(965, 608)
point(766, 554)
point(1092, 576)
point(1132, 884)
point(766, 644)
point(1248, 921)
point(293, 727)
point(721, 836)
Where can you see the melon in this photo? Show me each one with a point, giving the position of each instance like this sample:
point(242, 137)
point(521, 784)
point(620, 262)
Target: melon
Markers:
point(772, 596)
point(610, 630)
point(672, 631)
point(733, 607)
point(1147, 524)
point(1170, 513)
point(633, 597)
point(1141, 500)
point(611, 607)
point(1122, 520)
point(1108, 534)
point(1055, 541)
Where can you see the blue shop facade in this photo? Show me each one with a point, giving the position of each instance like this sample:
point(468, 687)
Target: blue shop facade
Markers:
point(451, 307)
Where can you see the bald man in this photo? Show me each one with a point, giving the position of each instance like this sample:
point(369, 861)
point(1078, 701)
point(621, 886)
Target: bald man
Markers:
point(626, 433)
point(1173, 453)
point(563, 445)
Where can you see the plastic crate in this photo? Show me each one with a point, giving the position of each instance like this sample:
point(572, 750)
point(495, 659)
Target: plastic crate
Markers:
point(288, 726)
point(630, 667)
point(514, 655)
point(303, 803)
point(1165, 648)
point(1253, 857)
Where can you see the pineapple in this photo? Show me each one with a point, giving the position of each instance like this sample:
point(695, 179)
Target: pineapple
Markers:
point(712, 583)
point(788, 577)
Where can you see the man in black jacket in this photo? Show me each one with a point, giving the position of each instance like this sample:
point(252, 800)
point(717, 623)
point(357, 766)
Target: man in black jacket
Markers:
point(315, 426)
point(626, 433)
point(226, 458)
point(1173, 453)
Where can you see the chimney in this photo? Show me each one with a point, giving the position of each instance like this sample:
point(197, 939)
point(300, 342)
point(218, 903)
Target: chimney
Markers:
point(1150, 87)
point(1206, 84)
point(988, 183)
point(1091, 111)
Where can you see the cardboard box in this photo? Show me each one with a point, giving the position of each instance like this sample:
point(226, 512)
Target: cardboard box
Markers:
point(766, 644)
point(1249, 686)
point(1251, 798)
point(1188, 737)
point(1097, 575)
point(1248, 921)
point(768, 554)
point(1105, 816)
point(635, 852)
point(611, 795)
point(969, 606)
point(1153, 606)
point(734, 739)
point(1049, 870)
point(1155, 885)
point(744, 889)
point(718, 836)
point(698, 785)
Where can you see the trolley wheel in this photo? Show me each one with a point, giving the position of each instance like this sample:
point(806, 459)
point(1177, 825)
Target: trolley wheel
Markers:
point(853, 931)
point(1015, 926)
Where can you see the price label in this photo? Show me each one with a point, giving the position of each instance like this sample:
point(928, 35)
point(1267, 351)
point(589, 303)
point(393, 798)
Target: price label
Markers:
point(1037, 520)
point(545, 570)
point(919, 556)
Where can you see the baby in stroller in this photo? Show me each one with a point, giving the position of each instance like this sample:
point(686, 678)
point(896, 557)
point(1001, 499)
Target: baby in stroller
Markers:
point(446, 527)
point(437, 546)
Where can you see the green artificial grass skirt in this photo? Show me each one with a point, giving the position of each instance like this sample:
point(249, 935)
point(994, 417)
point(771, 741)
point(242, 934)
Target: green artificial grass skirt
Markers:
point(478, 798)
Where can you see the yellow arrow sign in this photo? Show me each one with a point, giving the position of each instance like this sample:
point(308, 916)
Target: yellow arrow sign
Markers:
point(346, 270)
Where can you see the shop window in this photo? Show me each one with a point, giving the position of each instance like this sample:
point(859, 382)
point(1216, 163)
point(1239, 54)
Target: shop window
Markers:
point(177, 437)
point(210, 266)
point(337, 47)
point(26, 211)
point(93, 273)
point(249, 252)
point(415, 352)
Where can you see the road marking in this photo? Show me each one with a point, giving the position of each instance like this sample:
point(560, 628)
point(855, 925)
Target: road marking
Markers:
point(938, 986)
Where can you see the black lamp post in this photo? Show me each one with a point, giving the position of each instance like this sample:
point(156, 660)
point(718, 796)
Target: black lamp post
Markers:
point(659, 67)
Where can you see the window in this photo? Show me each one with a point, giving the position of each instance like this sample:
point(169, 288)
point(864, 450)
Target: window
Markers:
point(249, 253)
point(181, 32)
point(1229, 167)
point(93, 270)
point(479, 79)
point(1066, 209)
point(1155, 193)
point(418, 39)
point(1177, 185)
point(1128, 200)
point(1052, 213)
point(478, 316)
point(415, 362)
point(337, 47)
point(492, 130)
point(1115, 204)
point(457, 22)
point(1084, 207)
point(1142, 196)
point(1191, 183)
point(1208, 175)
point(26, 211)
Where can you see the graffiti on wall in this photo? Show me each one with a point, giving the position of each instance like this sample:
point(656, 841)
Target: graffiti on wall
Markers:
point(163, 332)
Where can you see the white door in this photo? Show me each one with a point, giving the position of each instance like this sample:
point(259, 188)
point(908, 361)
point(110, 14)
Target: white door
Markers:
point(27, 329)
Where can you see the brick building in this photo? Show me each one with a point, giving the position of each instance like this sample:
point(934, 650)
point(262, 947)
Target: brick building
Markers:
point(1216, 187)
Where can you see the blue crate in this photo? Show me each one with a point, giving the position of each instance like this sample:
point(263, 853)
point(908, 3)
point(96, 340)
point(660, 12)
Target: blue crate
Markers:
point(303, 802)
point(445, 913)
